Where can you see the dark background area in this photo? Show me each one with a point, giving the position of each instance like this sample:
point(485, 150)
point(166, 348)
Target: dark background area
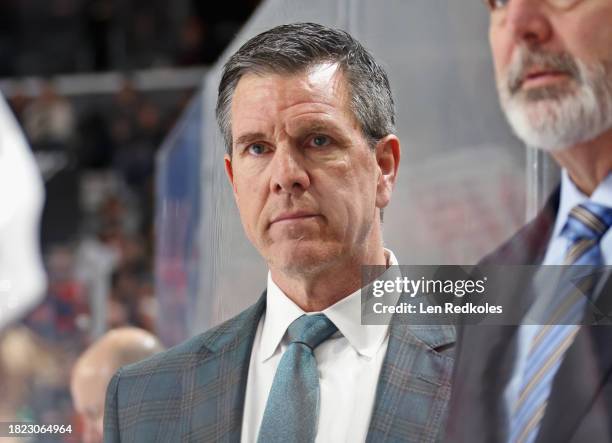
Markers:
point(96, 152)
point(47, 37)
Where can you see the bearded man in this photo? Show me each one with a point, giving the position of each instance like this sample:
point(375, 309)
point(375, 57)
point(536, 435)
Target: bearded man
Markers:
point(551, 382)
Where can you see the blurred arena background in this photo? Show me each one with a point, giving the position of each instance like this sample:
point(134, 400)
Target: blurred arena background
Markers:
point(96, 86)
point(116, 99)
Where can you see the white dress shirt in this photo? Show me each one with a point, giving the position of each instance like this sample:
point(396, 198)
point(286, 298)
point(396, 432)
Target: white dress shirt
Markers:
point(555, 255)
point(349, 364)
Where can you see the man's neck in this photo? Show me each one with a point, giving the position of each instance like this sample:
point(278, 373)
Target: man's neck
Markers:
point(317, 291)
point(589, 163)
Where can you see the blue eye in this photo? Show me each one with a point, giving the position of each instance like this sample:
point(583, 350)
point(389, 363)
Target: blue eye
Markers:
point(320, 141)
point(257, 149)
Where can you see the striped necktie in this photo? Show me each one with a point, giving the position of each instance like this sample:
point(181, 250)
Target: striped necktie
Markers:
point(292, 410)
point(586, 225)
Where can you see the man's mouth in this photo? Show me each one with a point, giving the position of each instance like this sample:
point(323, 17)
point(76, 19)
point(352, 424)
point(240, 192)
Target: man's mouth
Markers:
point(542, 77)
point(538, 78)
point(292, 217)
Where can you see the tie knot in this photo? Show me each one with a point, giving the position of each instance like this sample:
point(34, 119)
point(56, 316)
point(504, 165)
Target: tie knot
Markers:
point(589, 221)
point(311, 330)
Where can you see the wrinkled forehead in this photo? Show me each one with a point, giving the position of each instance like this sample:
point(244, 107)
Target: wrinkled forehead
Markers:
point(265, 94)
point(494, 5)
point(320, 81)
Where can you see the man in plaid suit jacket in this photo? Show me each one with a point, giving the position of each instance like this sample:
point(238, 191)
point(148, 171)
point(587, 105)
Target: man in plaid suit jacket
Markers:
point(308, 119)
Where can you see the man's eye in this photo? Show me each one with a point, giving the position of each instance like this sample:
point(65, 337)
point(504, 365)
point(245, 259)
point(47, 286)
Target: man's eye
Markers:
point(496, 4)
point(320, 141)
point(257, 149)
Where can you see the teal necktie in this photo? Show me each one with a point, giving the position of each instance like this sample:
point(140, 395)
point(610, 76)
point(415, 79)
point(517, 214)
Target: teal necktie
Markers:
point(292, 409)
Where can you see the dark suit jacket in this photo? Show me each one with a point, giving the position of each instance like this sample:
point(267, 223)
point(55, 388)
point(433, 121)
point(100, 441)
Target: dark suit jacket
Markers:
point(580, 404)
point(195, 391)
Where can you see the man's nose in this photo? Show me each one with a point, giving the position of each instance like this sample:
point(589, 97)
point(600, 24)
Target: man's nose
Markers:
point(529, 21)
point(289, 171)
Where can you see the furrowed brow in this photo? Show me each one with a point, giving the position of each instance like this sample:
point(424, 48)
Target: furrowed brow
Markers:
point(317, 126)
point(249, 137)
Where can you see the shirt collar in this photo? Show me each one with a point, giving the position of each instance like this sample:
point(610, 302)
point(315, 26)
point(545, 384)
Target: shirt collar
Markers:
point(572, 196)
point(281, 311)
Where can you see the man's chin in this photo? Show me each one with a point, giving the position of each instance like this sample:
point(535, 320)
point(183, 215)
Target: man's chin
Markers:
point(302, 258)
point(542, 124)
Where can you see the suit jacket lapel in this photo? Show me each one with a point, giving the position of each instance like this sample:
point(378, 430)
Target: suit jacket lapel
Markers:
point(528, 246)
point(412, 392)
point(488, 352)
point(214, 387)
point(414, 384)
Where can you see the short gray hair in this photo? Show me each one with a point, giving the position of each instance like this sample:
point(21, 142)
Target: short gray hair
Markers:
point(289, 49)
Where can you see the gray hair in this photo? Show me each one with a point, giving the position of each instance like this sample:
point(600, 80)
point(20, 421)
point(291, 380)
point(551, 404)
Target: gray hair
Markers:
point(289, 49)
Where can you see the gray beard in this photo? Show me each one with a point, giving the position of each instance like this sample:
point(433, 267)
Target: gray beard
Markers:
point(556, 117)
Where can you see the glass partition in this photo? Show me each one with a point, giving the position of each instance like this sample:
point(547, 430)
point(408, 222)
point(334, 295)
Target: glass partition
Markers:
point(465, 183)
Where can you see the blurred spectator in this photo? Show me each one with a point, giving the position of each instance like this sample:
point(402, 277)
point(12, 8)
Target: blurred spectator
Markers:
point(64, 315)
point(96, 366)
point(136, 157)
point(96, 262)
point(127, 100)
point(49, 120)
point(98, 247)
point(132, 299)
point(115, 217)
point(29, 366)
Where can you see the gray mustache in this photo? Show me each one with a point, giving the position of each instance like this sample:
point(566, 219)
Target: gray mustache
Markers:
point(559, 62)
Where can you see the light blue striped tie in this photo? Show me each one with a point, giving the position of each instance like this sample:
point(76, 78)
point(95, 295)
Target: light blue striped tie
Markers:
point(292, 409)
point(585, 226)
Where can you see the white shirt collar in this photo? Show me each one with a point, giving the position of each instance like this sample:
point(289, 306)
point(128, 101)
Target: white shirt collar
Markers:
point(572, 196)
point(345, 314)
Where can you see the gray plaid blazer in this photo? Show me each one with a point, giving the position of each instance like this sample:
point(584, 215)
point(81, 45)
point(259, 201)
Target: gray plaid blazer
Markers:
point(195, 392)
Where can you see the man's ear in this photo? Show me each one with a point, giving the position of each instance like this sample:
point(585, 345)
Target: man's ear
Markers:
point(229, 171)
point(387, 158)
